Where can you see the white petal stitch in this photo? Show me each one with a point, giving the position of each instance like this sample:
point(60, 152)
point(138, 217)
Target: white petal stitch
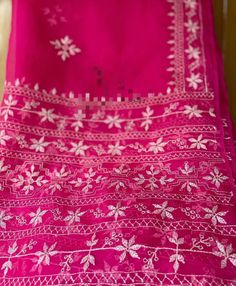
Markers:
point(128, 247)
point(157, 146)
point(65, 48)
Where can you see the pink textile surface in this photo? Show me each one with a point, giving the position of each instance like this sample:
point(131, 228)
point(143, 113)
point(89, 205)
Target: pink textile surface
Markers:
point(117, 149)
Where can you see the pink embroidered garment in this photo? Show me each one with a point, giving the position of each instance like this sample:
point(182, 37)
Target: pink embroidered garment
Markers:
point(117, 158)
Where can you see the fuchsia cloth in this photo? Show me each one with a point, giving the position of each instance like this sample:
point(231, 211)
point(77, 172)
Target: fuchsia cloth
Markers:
point(117, 158)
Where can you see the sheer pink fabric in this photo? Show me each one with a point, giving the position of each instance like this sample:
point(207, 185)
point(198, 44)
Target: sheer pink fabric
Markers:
point(117, 156)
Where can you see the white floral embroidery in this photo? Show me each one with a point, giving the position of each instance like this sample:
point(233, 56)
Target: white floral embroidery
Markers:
point(79, 116)
point(39, 145)
point(216, 217)
point(189, 186)
point(9, 102)
point(198, 143)
point(191, 4)
point(216, 177)
point(44, 256)
point(128, 247)
point(3, 218)
point(116, 211)
point(90, 179)
point(191, 26)
point(187, 169)
point(8, 264)
point(32, 178)
point(225, 252)
point(164, 180)
point(115, 149)
point(79, 148)
point(192, 111)
point(152, 181)
point(47, 115)
point(37, 217)
point(113, 121)
point(164, 210)
point(89, 258)
point(147, 118)
point(194, 80)
point(4, 137)
point(65, 47)
point(157, 146)
point(57, 179)
point(193, 53)
point(74, 216)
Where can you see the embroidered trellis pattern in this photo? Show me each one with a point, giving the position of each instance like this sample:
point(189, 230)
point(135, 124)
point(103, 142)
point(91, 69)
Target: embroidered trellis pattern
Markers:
point(119, 190)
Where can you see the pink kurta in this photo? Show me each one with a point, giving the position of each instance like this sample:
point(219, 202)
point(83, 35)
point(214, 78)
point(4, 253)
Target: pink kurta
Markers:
point(117, 157)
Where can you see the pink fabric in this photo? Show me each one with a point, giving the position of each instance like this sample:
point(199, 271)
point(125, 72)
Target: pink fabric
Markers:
point(117, 149)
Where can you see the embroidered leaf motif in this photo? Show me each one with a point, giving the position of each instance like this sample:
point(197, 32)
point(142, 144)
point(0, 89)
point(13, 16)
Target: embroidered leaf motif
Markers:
point(87, 260)
point(225, 252)
point(12, 249)
point(6, 266)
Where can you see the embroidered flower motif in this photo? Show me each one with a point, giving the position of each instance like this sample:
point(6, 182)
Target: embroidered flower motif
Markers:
point(57, 179)
point(113, 121)
point(116, 211)
point(30, 180)
point(39, 145)
point(152, 180)
point(194, 80)
point(3, 137)
point(54, 15)
point(128, 247)
point(79, 116)
point(216, 217)
point(193, 53)
point(164, 210)
point(191, 26)
point(191, 4)
point(9, 102)
point(216, 177)
point(88, 182)
point(198, 143)
point(3, 218)
point(74, 216)
point(45, 255)
point(226, 252)
point(157, 146)
point(115, 149)
point(37, 217)
point(65, 47)
point(147, 118)
point(47, 115)
point(79, 148)
point(192, 111)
